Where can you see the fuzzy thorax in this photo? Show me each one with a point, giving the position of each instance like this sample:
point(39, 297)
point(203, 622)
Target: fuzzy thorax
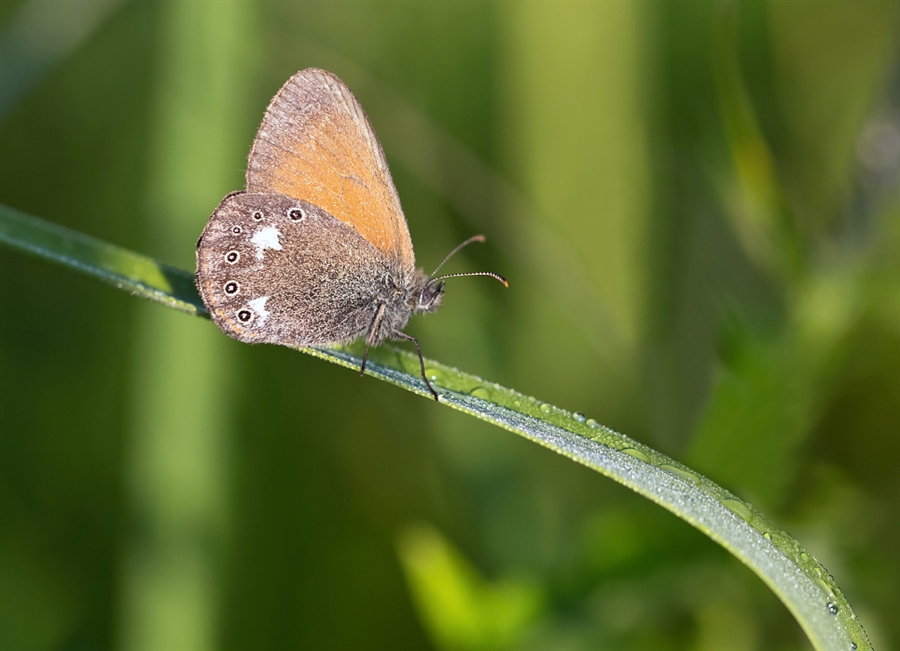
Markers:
point(416, 295)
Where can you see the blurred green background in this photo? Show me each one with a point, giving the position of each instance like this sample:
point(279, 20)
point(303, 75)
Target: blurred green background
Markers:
point(697, 206)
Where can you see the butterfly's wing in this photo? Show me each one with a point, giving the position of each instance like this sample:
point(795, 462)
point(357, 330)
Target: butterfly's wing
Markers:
point(272, 269)
point(316, 144)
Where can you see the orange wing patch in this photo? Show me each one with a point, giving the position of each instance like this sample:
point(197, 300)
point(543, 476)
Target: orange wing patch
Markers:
point(315, 143)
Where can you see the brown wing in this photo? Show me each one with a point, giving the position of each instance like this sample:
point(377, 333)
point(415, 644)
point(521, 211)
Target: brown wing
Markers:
point(274, 269)
point(316, 144)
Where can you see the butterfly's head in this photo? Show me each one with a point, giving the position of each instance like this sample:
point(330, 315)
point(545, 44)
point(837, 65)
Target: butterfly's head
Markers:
point(430, 296)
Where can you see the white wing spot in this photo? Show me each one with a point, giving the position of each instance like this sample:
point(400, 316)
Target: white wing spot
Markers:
point(266, 238)
point(258, 305)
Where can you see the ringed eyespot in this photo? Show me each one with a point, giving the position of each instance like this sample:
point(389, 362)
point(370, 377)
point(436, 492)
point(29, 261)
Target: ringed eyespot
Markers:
point(258, 215)
point(231, 287)
point(295, 214)
point(244, 316)
point(237, 230)
point(232, 256)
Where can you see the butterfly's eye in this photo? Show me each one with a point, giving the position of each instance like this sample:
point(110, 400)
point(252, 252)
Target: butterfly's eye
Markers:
point(232, 256)
point(295, 214)
point(244, 316)
point(237, 230)
point(258, 216)
point(231, 287)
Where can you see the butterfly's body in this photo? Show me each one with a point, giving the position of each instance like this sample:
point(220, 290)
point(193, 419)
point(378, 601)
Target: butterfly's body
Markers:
point(316, 250)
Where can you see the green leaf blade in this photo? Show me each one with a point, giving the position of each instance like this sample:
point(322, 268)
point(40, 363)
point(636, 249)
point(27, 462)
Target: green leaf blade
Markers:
point(132, 272)
point(805, 587)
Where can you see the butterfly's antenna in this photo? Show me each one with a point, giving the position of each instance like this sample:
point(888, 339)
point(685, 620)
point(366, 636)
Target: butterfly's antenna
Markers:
point(471, 273)
point(474, 238)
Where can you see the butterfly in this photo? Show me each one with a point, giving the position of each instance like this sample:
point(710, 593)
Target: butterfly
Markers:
point(316, 250)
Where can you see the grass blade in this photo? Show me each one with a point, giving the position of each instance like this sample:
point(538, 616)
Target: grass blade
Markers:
point(806, 588)
point(137, 274)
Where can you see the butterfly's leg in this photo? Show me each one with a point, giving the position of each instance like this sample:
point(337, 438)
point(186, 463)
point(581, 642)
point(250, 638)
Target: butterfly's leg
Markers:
point(403, 335)
point(370, 336)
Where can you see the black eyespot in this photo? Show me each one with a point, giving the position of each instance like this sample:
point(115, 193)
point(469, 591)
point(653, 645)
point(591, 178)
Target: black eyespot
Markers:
point(295, 214)
point(244, 316)
point(257, 216)
point(237, 230)
point(231, 287)
point(232, 256)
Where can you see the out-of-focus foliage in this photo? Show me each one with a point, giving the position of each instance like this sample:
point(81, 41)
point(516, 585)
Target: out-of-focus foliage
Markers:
point(697, 207)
